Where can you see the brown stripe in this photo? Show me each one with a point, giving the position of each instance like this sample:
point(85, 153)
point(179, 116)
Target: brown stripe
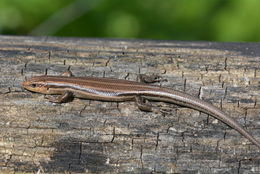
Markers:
point(100, 83)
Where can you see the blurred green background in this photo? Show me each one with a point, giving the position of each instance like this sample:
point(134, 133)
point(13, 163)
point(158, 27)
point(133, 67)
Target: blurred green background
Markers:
point(213, 20)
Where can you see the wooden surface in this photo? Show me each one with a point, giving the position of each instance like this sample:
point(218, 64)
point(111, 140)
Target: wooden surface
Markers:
point(110, 137)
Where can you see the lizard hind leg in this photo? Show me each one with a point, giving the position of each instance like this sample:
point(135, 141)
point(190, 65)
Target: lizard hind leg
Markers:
point(151, 78)
point(142, 104)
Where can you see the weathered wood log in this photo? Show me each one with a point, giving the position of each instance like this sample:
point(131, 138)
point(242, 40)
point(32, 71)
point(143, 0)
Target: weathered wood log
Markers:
point(110, 137)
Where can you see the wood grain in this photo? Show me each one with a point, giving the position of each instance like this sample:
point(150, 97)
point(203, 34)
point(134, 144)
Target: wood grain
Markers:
point(110, 137)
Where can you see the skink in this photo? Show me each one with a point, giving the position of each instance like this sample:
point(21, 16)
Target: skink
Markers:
point(107, 89)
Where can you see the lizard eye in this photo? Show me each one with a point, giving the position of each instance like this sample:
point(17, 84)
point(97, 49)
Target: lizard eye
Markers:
point(33, 85)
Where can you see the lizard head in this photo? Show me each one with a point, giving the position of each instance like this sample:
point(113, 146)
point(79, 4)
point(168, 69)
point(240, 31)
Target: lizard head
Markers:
point(37, 84)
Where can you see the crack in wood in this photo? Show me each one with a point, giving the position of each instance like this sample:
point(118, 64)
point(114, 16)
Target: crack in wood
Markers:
point(114, 135)
point(157, 140)
point(225, 64)
point(184, 84)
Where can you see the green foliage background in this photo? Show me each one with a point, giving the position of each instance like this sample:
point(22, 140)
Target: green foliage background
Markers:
point(214, 20)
